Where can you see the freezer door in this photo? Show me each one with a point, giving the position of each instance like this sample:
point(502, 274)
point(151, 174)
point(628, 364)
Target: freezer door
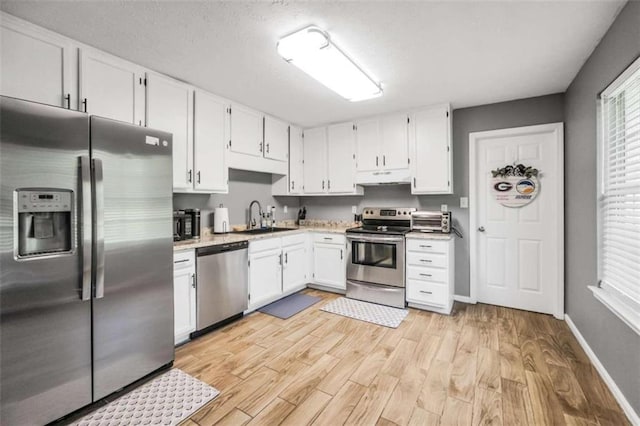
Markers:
point(133, 253)
point(45, 344)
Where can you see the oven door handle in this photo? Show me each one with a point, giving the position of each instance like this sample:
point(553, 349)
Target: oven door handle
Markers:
point(378, 239)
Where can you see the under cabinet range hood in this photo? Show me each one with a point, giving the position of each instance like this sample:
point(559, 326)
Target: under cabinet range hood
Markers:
point(383, 177)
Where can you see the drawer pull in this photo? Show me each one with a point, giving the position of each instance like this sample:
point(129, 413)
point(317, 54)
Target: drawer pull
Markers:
point(426, 292)
point(425, 275)
point(181, 261)
point(424, 246)
point(425, 260)
point(328, 238)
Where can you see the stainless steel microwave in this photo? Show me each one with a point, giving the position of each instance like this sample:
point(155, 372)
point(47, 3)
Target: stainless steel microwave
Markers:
point(431, 221)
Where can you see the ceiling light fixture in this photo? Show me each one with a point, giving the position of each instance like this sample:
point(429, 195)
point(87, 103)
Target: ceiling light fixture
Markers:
point(312, 50)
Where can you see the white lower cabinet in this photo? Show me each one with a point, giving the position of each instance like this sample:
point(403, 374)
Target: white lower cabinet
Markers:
point(265, 272)
point(294, 263)
point(329, 261)
point(184, 294)
point(430, 273)
point(277, 267)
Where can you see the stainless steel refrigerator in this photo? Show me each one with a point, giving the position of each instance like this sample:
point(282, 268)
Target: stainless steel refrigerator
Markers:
point(86, 291)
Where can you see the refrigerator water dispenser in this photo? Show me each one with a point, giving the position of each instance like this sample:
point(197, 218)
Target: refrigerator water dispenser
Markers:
point(44, 222)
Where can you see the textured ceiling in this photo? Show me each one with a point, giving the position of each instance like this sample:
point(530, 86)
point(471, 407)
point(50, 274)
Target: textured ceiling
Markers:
point(466, 53)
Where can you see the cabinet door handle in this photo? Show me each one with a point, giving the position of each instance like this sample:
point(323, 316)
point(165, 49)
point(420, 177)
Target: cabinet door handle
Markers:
point(424, 246)
point(286, 258)
point(328, 238)
point(425, 275)
point(190, 176)
point(328, 184)
point(193, 280)
point(376, 161)
point(293, 184)
point(198, 176)
point(426, 292)
point(181, 261)
point(68, 99)
point(323, 185)
point(425, 260)
point(260, 146)
point(340, 254)
point(384, 160)
point(267, 148)
point(85, 103)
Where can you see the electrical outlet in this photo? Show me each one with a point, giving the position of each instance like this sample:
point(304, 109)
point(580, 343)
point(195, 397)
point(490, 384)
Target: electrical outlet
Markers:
point(354, 209)
point(284, 210)
point(464, 202)
point(444, 208)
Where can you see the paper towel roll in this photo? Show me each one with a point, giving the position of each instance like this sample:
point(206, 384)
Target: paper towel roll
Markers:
point(221, 220)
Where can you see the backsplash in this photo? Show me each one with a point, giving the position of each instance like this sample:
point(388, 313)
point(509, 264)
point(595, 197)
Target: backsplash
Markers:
point(244, 187)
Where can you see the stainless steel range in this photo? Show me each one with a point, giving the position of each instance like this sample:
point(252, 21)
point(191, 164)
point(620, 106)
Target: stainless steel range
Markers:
point(375, 253)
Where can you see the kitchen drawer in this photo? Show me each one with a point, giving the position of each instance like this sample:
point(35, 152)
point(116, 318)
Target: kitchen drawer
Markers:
point(435, 260)
point(427, 246)
point(293, 240)
point(427, 293)
point(264, 244)
point(428, 274)
point(329, 238)
point(184, 259)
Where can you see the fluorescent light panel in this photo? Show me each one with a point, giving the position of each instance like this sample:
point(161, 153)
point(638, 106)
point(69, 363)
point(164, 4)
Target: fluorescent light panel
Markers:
point(311, 50)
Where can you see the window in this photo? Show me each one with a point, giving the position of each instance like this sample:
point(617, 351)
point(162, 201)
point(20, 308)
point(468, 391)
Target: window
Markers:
point(619, 198)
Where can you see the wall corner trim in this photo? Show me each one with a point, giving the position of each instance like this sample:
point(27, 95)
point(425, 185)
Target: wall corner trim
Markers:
point(463, 299)
point(615, 390)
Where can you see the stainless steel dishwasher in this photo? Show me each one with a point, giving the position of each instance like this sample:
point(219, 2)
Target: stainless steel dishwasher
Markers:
point(222, 284)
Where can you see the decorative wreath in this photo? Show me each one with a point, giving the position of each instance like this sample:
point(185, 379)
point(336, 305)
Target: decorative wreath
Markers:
point(519, 170)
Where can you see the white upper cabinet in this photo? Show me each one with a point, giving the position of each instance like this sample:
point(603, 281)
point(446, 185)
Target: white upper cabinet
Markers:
point(170, 108)
point(395, 142)
point(276, 139)
point(341, 158)
point(368, 145)
point(296, 158)
point(111, 87)
point(36, 65)
point(315, 160)
point(431, 162)
point(210, 138)
point(246, 131)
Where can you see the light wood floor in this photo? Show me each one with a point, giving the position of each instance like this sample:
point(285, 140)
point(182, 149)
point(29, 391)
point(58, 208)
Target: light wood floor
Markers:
point(482, 365)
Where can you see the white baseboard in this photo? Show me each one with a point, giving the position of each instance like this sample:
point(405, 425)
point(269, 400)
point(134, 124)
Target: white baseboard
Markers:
point(615, 390)
point(463, 299)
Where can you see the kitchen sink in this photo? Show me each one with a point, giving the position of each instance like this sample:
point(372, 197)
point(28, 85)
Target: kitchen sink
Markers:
point(258, 231)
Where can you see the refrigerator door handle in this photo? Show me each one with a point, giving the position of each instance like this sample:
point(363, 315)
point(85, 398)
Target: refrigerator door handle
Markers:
point(98, 188)
point(85, 223)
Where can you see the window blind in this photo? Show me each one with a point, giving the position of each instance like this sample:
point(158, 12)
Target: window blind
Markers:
point(619, 201)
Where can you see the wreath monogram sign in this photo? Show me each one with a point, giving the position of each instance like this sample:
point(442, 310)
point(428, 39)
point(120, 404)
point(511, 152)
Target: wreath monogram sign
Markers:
point(515, 185)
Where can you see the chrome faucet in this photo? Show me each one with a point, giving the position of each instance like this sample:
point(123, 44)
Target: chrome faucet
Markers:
point(252, 221)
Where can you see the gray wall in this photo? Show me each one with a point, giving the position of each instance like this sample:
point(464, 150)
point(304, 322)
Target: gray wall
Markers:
point(244, 187)
point(615, 344)
point(524, 112)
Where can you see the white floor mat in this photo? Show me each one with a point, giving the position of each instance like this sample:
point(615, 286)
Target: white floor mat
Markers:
point(166, 400)
point(364, 311)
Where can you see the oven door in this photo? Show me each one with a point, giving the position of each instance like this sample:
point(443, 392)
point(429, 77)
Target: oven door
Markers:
point(376, 259)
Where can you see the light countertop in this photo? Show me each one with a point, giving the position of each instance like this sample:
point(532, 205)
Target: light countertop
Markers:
point(232, 237)
point(429, 236)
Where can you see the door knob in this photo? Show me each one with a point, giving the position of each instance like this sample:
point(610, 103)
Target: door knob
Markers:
point(481, 229)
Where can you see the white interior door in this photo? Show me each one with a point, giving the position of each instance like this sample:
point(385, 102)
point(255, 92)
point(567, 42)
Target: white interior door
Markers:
point(517, 253)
